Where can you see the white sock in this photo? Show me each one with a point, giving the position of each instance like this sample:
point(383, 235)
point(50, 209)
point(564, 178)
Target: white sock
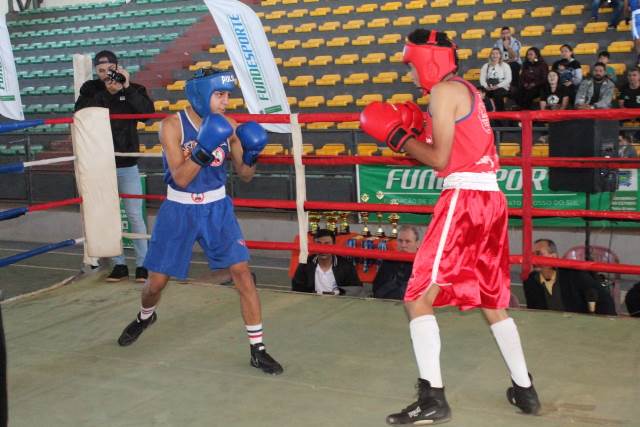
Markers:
point(255, 333)
point(425, 336)
point(145, 313)
point(508, 339)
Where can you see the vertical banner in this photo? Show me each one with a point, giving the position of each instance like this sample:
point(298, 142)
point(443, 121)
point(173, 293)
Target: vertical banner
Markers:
point(10, 102)
point(252, 60)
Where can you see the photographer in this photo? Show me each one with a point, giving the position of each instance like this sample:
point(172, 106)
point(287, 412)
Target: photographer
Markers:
point(113, 90)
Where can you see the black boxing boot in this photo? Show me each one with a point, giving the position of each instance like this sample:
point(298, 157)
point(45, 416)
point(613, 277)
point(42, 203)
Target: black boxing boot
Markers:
point(524, 398)
point(430, 408)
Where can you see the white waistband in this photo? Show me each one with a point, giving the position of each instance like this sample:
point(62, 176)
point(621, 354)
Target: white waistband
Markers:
point(484, 181)
point(195, 198)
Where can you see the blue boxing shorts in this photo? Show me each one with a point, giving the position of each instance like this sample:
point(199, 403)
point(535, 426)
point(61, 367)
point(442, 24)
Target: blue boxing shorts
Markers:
point(178, 226)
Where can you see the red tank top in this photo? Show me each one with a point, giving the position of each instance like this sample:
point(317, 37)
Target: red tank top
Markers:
point(473, 149)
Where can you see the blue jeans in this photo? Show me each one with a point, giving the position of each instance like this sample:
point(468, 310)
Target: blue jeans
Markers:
point(129, 183)
point(617, 6)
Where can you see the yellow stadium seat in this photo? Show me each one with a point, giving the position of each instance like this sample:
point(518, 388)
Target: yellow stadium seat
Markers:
point(297, 13)
point(543, 12)
point(177, 85)
point(329, 26)
point(328, 80)
point(532, 31)
point(523, 51)
point(235, 103)
point(356, 79)
point(387, 152)
point(199, 64)
point(276, 14)
point(267, 3)
point(430, 19)
point(277, 60)
point(404, 21)
point(295, 61)
point(596, 27)
point(307, 27)
point(415, 4)
point(423, 100)
point(347, 59)
point(155, 149)
point(368, 98)
point(312, 101)
point(338, 41)
point(473, 33)
point(320, 125)
point(343, 10)
point(307, 149)
point(562, 29)
point(283, 79)
point(621, 46)
point(551, 50)
point(390, 38)
point(349, 125)
point(495, 34)
point(160, 105)
point(273, 150)
point(396, 57)
point(484, 53)
point(266, 28)
point(585, 69)
point(620, 68)
point(313, 43)
point(179, 105)
point(540, 150)
point(282, 29)
point(457, 17)
point(464, 53)
point(572, 9)
point(406, 77)
point(440, 3)
point(378, 23)
point(509, 149)
point(485, 15)
point(301, 81)
point(367, 8)
point(272, 44)
point(374, 58)
point(331, 149)
point(289, 1)
point(399, 98)
point(225, 64)
point(292, 100)
point(354, 24)
point(363, 40)
point(320, 11)
point(466, 2)
point(340, 101)
point(219, 48)
point(623, 26)
point(391, 6)
point(492, 1)
point(367, 149)
point(513, 14)
point(260, 15)
point(451, 34)
point(289, 44)
point(385, 77)
point(321, 60)
point(472, 74)
point(586, 49)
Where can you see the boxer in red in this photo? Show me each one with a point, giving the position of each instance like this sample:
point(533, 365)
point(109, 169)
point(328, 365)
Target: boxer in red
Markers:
point(464, 257)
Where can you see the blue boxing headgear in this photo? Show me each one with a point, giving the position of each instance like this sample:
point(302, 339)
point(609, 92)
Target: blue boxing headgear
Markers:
point(202, 85)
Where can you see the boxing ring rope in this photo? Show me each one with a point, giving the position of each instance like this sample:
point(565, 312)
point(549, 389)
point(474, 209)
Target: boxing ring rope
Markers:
point(526, 161)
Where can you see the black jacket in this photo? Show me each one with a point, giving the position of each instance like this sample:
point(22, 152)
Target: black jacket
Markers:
point(343, 270)
point(576, 287)
point(391, 280)
point(132, 100)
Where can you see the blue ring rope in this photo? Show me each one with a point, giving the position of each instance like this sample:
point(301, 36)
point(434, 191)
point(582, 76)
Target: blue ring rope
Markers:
point(37, 251)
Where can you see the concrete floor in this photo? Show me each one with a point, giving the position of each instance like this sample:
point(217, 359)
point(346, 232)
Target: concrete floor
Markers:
point(348, 362)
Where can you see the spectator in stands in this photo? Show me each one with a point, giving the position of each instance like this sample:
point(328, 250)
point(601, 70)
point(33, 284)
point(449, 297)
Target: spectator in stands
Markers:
point(392, 277)
point(625, 146)
point(630, 92)
point(572, 66)
point(325, 273)
point(532, 78)
point(563, 289)
point(617, 6)
point(632, 300)
point(553, 95)
point(605, 57)
point(596, 92)
point(114, 90)
point(510, 49)
point(495, 78)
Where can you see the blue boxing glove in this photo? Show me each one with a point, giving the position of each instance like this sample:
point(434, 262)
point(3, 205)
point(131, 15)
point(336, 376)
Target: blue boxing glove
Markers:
point(253, 138)
point(214, 131)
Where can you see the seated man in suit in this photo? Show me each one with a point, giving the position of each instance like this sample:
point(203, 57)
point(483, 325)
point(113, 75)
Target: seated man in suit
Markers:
point(325, 273)
point(391, 280)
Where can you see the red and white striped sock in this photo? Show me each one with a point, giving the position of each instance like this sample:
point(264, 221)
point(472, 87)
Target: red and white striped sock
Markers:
point(255, 333)
point(146, 313)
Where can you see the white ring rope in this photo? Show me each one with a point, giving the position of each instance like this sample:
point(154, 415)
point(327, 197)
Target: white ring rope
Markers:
point(49, 161)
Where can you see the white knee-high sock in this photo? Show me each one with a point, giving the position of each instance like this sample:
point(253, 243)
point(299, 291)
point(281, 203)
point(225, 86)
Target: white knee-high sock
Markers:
point(508, 339)
point(425, 336)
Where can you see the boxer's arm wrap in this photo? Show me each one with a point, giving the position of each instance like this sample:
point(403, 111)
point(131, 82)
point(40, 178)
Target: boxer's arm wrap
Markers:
point(388, 123)
point(214, 130)
point(253, 138)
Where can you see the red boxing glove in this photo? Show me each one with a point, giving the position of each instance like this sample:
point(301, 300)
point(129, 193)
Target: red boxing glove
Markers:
point(389, 123)
point(414, 118)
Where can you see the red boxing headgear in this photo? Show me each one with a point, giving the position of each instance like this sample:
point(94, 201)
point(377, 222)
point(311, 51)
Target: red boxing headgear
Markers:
point(432, 62)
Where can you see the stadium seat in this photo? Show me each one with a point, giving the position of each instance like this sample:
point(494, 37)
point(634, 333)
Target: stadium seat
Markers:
point(457, 17)
point(282, 29)
point(460, 3)
point(312, 101)
point(532, 31)
point(363, 40)
point(276, 14)
point(297, 13)
point(572, 9)
point(406, 77)
point(543, 12)
point(321, 60)
point(301, 81)
point(473, 33)
point(620, 68)
point(540, 150)
point(283, 79)
point(391, 6)
point(343, 10)
point(289, 44)
point(367, 149)
point(367, 8)
point(349, 125)
point(396, 57)
point(338, 41)
point(289, 1)
point(378, 23)
point(320, 11)
point(586, 49)
point(328, 80)
point(485, 15)
point(340, 101)
point(585, 69)
point(513, 14)
point(292, 100)
point(440, 3)
point(354, 24)
point(595, 27)
point(551, 50)
point(179, 105)
point(273, 150)
point(161, 105)
point(307, 27)
point(495, 34)
point(415, 4)
point(320, 125)
point(621, 46)
point(472, 74)
point(563, 29)
point(235, 103)
point(385, 77)
point(295, 61)
point(430, 19)
point(399, 98)
point(484, 53)
point(347, 59)
point(329, 26)
point(451, 34)
point(509, 149)
point(331, 149)
point(198, 65)
point(404, 21)
point(313, 43)
point(265, 3)
point(423, 100)
point(464, 53)
point(368, 98)
point(492, 1)
point(177, 85)
point(390, 38)
point(374, 58)
point(356, 79)
point(219, 48)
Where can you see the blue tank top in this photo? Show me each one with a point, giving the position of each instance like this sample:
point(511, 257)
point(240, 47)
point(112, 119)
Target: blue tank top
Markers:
point(209, 178)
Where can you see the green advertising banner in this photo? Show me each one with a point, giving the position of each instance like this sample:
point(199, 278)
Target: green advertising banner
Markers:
point(419, 185)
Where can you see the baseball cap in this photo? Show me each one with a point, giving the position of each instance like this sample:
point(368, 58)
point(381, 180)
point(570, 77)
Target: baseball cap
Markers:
point(105, 56)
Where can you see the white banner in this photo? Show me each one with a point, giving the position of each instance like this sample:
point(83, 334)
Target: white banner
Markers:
point(252, 60)
point(10, 102)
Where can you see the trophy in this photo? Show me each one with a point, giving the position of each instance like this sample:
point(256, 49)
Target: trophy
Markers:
point(332, 219)
point(380, 231)
point(314, 218)
point(365, 217)
point(393, 220)
point(344, 224)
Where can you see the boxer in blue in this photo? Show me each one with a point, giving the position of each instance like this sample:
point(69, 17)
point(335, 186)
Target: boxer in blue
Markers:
point(196, 143)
